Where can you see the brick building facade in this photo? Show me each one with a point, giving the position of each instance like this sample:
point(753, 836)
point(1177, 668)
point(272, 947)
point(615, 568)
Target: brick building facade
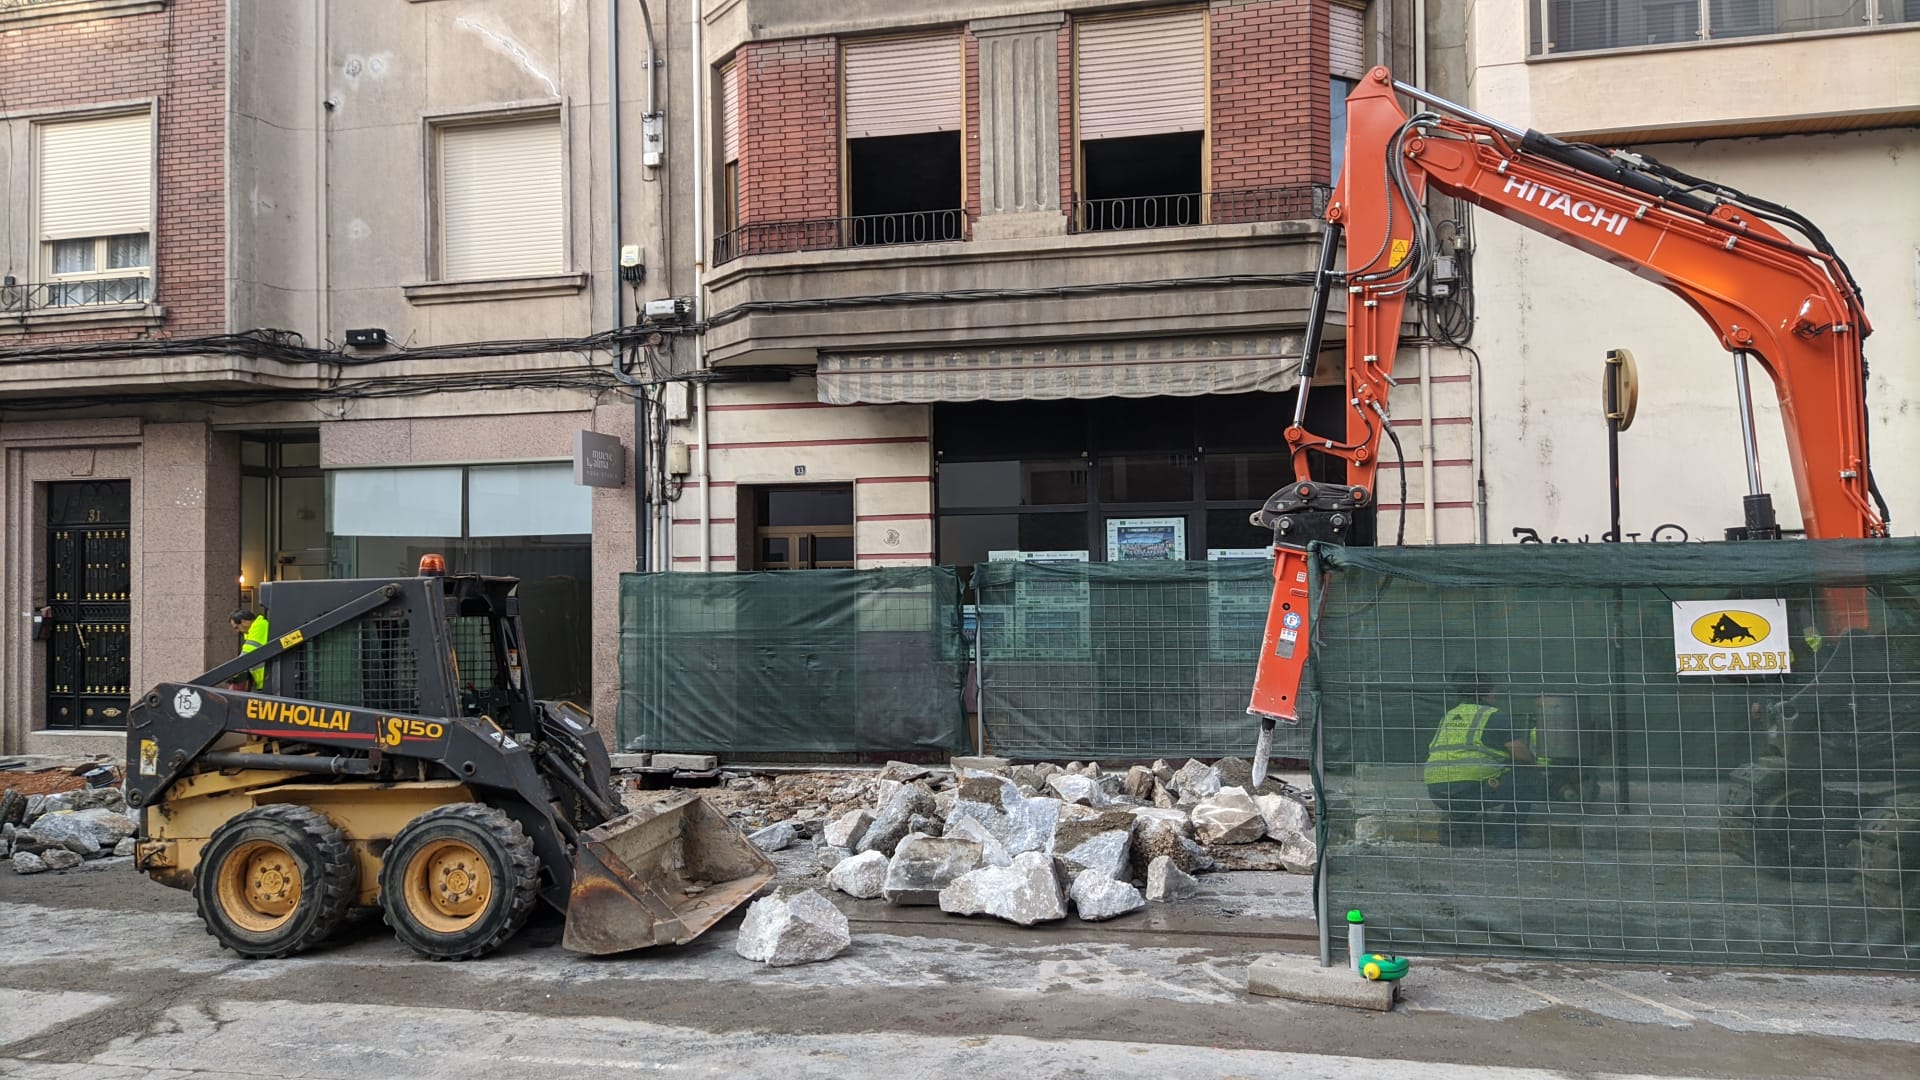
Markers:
point(169, 59)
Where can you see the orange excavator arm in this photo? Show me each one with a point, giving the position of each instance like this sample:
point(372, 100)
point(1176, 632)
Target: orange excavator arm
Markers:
point(1788, 303)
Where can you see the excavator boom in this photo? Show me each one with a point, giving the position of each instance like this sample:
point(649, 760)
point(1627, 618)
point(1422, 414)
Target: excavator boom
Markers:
point(1787, 303)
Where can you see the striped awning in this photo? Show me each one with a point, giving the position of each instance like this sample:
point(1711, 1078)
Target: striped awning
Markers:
point(1165, 367)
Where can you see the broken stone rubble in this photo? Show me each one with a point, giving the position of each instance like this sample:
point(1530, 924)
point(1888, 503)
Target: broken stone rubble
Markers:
point(1074, 788)
point(1097, 897)
point(1021, 824)
point(1195, 781)
point(992, 851)
point(863, 875)
point(1285, 817)
point(895, 819)
point(923, 865)
point(1167, 882)
point(1025, 893)
point(1229, 816)
point(782, 930)
point(1106, 854)
point(776, 837)
point(847, 829)
point(1168, 833)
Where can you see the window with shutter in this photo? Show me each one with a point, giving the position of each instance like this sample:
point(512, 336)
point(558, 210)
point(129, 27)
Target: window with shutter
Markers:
point(1346, 42)
point(730, 85)
point(93, 209)
point(502, 199)
point(1141, 97)
point(904, 111)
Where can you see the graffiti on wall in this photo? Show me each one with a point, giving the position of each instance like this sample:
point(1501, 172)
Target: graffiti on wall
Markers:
point(1668, 533)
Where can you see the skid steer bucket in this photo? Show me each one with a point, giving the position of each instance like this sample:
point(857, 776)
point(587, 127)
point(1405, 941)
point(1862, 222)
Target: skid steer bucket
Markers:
point(659, 876)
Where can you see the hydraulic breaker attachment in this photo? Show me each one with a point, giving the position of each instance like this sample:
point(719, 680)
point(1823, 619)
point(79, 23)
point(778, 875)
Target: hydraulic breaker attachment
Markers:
point(1283, 648)
point(659, 876)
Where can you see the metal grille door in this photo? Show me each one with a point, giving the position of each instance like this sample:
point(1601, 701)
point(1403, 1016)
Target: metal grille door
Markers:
point(89, 589)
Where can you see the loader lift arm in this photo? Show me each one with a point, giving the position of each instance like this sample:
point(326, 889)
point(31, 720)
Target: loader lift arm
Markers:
point(1789, 304)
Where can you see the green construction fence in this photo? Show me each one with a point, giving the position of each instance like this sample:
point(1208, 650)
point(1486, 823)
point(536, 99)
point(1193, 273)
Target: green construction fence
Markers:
point(1124, 660)
point(793, 662)
point(1762, 808)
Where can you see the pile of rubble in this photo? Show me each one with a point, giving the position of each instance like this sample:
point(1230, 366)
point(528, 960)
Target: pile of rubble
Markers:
point(1022, 843)
point(61, 830)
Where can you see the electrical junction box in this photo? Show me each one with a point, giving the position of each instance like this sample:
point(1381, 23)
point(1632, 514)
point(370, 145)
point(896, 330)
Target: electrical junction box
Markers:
point(653, 140)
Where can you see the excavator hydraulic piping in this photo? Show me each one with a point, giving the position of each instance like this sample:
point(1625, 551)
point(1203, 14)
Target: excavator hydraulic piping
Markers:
point(1596, 164)
point(1573, 157)
point(1323, 276)
point(1457, 109)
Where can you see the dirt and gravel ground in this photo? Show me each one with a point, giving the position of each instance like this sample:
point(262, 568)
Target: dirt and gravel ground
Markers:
point(108, 975)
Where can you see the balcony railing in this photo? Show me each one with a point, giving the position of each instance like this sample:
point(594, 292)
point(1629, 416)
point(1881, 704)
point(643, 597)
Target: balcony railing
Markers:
point(826, 234)
point(1288, 203)
point(1587, 25)
point(64, 295)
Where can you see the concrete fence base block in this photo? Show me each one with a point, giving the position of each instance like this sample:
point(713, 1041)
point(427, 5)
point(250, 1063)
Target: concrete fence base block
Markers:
point(1301, 978)
point(689, 762)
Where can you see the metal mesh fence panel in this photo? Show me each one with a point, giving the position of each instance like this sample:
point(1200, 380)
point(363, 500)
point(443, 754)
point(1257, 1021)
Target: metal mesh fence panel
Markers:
point(1758, 808)
point(792, 661)
point(1122, 660)
point(368, 663)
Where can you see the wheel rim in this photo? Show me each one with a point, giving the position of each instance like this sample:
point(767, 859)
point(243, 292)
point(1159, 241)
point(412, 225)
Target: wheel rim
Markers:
point(259, 886)
point(448, 886)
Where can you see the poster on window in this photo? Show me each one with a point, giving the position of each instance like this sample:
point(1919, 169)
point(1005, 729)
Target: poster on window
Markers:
point(1010, 555)
point(1136, 539)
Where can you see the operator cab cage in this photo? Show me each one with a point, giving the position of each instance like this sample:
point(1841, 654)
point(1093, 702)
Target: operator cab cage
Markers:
point(432, 646)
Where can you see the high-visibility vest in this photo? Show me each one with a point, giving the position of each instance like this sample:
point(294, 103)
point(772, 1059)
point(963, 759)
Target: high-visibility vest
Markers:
point(1456, 753)
point(257, 635)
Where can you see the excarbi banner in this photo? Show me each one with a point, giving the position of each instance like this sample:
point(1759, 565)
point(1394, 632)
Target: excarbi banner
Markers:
point(1730, 637)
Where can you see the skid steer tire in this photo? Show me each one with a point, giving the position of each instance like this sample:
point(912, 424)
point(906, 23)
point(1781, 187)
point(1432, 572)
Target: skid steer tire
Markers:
point(1753, 812)
point(458, 881)
point(275, 880)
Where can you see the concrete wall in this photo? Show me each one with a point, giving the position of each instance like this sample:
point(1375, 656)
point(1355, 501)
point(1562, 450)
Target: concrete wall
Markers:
point(1729, 87)
point(276, 256)
point(779, 433)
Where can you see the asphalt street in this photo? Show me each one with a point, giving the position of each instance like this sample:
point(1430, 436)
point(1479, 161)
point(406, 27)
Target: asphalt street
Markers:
point(108, 975)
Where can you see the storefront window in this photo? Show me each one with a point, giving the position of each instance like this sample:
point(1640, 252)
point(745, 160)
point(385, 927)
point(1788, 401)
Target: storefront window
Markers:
point(1012, 483)
point(1052, 476)
point(966, 539)
point(523, 520)
point(1147, 478)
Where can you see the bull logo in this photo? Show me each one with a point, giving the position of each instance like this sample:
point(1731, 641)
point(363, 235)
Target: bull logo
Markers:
point(1730, 627)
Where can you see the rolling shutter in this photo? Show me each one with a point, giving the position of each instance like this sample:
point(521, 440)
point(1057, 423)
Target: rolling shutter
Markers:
point(1346, 42)
point(1142, 76)
point(730, 80)
point(502, 201)
point(903, 86)
point(95, 177)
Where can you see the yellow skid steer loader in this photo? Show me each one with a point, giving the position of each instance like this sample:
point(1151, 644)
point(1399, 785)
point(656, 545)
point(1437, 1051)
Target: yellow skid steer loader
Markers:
point(397, 758)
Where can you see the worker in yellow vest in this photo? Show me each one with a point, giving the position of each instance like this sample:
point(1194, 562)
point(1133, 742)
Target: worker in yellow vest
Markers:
point(254, 633)
point(1481, 770)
